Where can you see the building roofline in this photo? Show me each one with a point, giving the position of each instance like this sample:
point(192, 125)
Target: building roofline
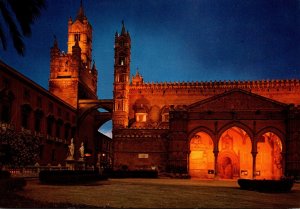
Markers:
point(23, 78)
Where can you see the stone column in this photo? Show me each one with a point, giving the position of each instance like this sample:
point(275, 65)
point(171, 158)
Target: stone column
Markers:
point(216, 163)
point(254, 164)
point(188, 162)
point(283, 164)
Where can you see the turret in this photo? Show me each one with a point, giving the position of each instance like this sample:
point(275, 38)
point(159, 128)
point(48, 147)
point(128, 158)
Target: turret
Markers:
point(121, 78)
point(71, 75)
point(137, 78)
point(54, 51)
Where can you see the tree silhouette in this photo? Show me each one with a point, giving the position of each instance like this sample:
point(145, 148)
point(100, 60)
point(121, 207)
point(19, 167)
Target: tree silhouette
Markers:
point(18, 16)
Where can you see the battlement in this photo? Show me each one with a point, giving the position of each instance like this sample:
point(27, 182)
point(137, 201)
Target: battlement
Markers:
point(265, 84)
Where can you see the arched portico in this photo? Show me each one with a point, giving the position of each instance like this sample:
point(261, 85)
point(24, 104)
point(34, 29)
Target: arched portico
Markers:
point(234, 157)
point(270, 162)
point(201, 157)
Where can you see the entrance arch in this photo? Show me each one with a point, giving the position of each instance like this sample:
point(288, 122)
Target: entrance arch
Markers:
point(235, 158)
point(269, 157)
point(201, 159)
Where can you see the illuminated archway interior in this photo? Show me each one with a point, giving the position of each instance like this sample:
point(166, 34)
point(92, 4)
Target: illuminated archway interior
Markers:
point(269, 157)
point(201, 161)
point(235, 158)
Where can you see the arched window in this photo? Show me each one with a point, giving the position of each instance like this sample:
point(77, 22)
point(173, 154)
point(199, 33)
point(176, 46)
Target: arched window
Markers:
point(5, 113)
point(165, 115)
point(76, 37)
point(141, 113)
point(38, 115)
point(6, 98)
point(25, 116)
point(59, 124)
point(50, 121)
point(67, 131)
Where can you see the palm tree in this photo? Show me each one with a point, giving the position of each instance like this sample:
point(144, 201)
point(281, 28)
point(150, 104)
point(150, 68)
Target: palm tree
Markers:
point(18, 16)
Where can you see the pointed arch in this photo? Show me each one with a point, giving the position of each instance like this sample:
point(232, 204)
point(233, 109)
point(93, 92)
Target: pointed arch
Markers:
point(235, 124)
point(276, 131)
point(270, 154)
point(201, 156)
point(234, 157)
point(205, 130)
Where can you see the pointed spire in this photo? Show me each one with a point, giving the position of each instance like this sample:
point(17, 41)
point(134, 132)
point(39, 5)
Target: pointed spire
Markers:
point(123, 28)
point(94, 65)
point(55, 44)
point(80, 15)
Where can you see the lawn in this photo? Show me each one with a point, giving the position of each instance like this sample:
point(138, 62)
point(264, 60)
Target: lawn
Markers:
point(159, 193)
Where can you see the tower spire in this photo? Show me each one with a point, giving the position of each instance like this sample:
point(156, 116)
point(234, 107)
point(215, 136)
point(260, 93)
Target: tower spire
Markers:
point(123, 28)
point(80, 15)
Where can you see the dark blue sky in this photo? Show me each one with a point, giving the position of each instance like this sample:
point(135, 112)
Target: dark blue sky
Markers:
point(175, 40)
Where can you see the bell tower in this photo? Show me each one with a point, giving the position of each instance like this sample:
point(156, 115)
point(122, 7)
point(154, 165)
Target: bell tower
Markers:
point(121, 78)
point(72, 74)
point(80, 30)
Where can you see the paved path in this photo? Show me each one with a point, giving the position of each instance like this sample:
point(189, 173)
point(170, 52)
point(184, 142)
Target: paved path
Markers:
point(162, 193)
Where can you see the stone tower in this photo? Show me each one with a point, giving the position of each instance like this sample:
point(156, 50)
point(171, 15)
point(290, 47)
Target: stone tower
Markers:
point(121, 78)
point(72, 76)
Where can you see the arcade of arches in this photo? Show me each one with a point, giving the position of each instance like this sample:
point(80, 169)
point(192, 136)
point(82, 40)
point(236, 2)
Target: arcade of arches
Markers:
point(231, 156)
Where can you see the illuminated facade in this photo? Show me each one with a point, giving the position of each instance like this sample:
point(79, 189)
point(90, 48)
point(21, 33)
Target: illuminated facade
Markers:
point(230, 129)
point(226, 129)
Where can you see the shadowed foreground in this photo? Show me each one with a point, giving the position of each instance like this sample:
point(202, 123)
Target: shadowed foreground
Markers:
point(161, 193)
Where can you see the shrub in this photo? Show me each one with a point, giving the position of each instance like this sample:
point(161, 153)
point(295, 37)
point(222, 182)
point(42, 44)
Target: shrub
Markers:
point(69, 177)
point(134, 174)
point(4, 174)
point(283, 185)
point(12, 184)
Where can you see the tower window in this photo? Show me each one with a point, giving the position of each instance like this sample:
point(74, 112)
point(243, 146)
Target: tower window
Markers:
point(122, 61)
point(77, 37)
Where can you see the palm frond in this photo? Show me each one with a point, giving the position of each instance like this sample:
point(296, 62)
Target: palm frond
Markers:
point(3, 38)
point(13, 29)
point(27, 11)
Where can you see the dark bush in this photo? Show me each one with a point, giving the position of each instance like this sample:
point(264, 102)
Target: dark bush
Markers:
point(12, 184)
point(69, 177)
point(134, 174)
point(283, 185)
point(4, 174)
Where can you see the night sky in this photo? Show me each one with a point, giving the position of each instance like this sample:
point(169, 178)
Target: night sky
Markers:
point(174, 40)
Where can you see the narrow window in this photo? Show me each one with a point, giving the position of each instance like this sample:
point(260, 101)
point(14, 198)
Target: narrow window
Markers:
point(77, 37)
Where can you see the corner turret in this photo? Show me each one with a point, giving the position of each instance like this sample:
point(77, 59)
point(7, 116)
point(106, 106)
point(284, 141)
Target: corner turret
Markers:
point(137, 79)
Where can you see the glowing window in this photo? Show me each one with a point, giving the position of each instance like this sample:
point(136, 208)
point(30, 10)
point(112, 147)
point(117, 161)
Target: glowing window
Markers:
point(141, 117)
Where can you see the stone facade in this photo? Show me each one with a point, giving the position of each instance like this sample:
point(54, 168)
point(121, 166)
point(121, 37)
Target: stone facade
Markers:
point(52, 118)
point(224, 129)
point(156, 125)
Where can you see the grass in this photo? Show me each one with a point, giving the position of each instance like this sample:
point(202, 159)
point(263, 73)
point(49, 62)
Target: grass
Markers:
point(13, 200)
point(157, 193)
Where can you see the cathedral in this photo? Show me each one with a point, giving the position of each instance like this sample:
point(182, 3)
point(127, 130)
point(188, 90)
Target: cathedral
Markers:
point(225, 130)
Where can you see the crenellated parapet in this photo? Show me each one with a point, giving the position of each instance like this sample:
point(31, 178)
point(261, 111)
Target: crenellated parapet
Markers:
point(219, 84)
